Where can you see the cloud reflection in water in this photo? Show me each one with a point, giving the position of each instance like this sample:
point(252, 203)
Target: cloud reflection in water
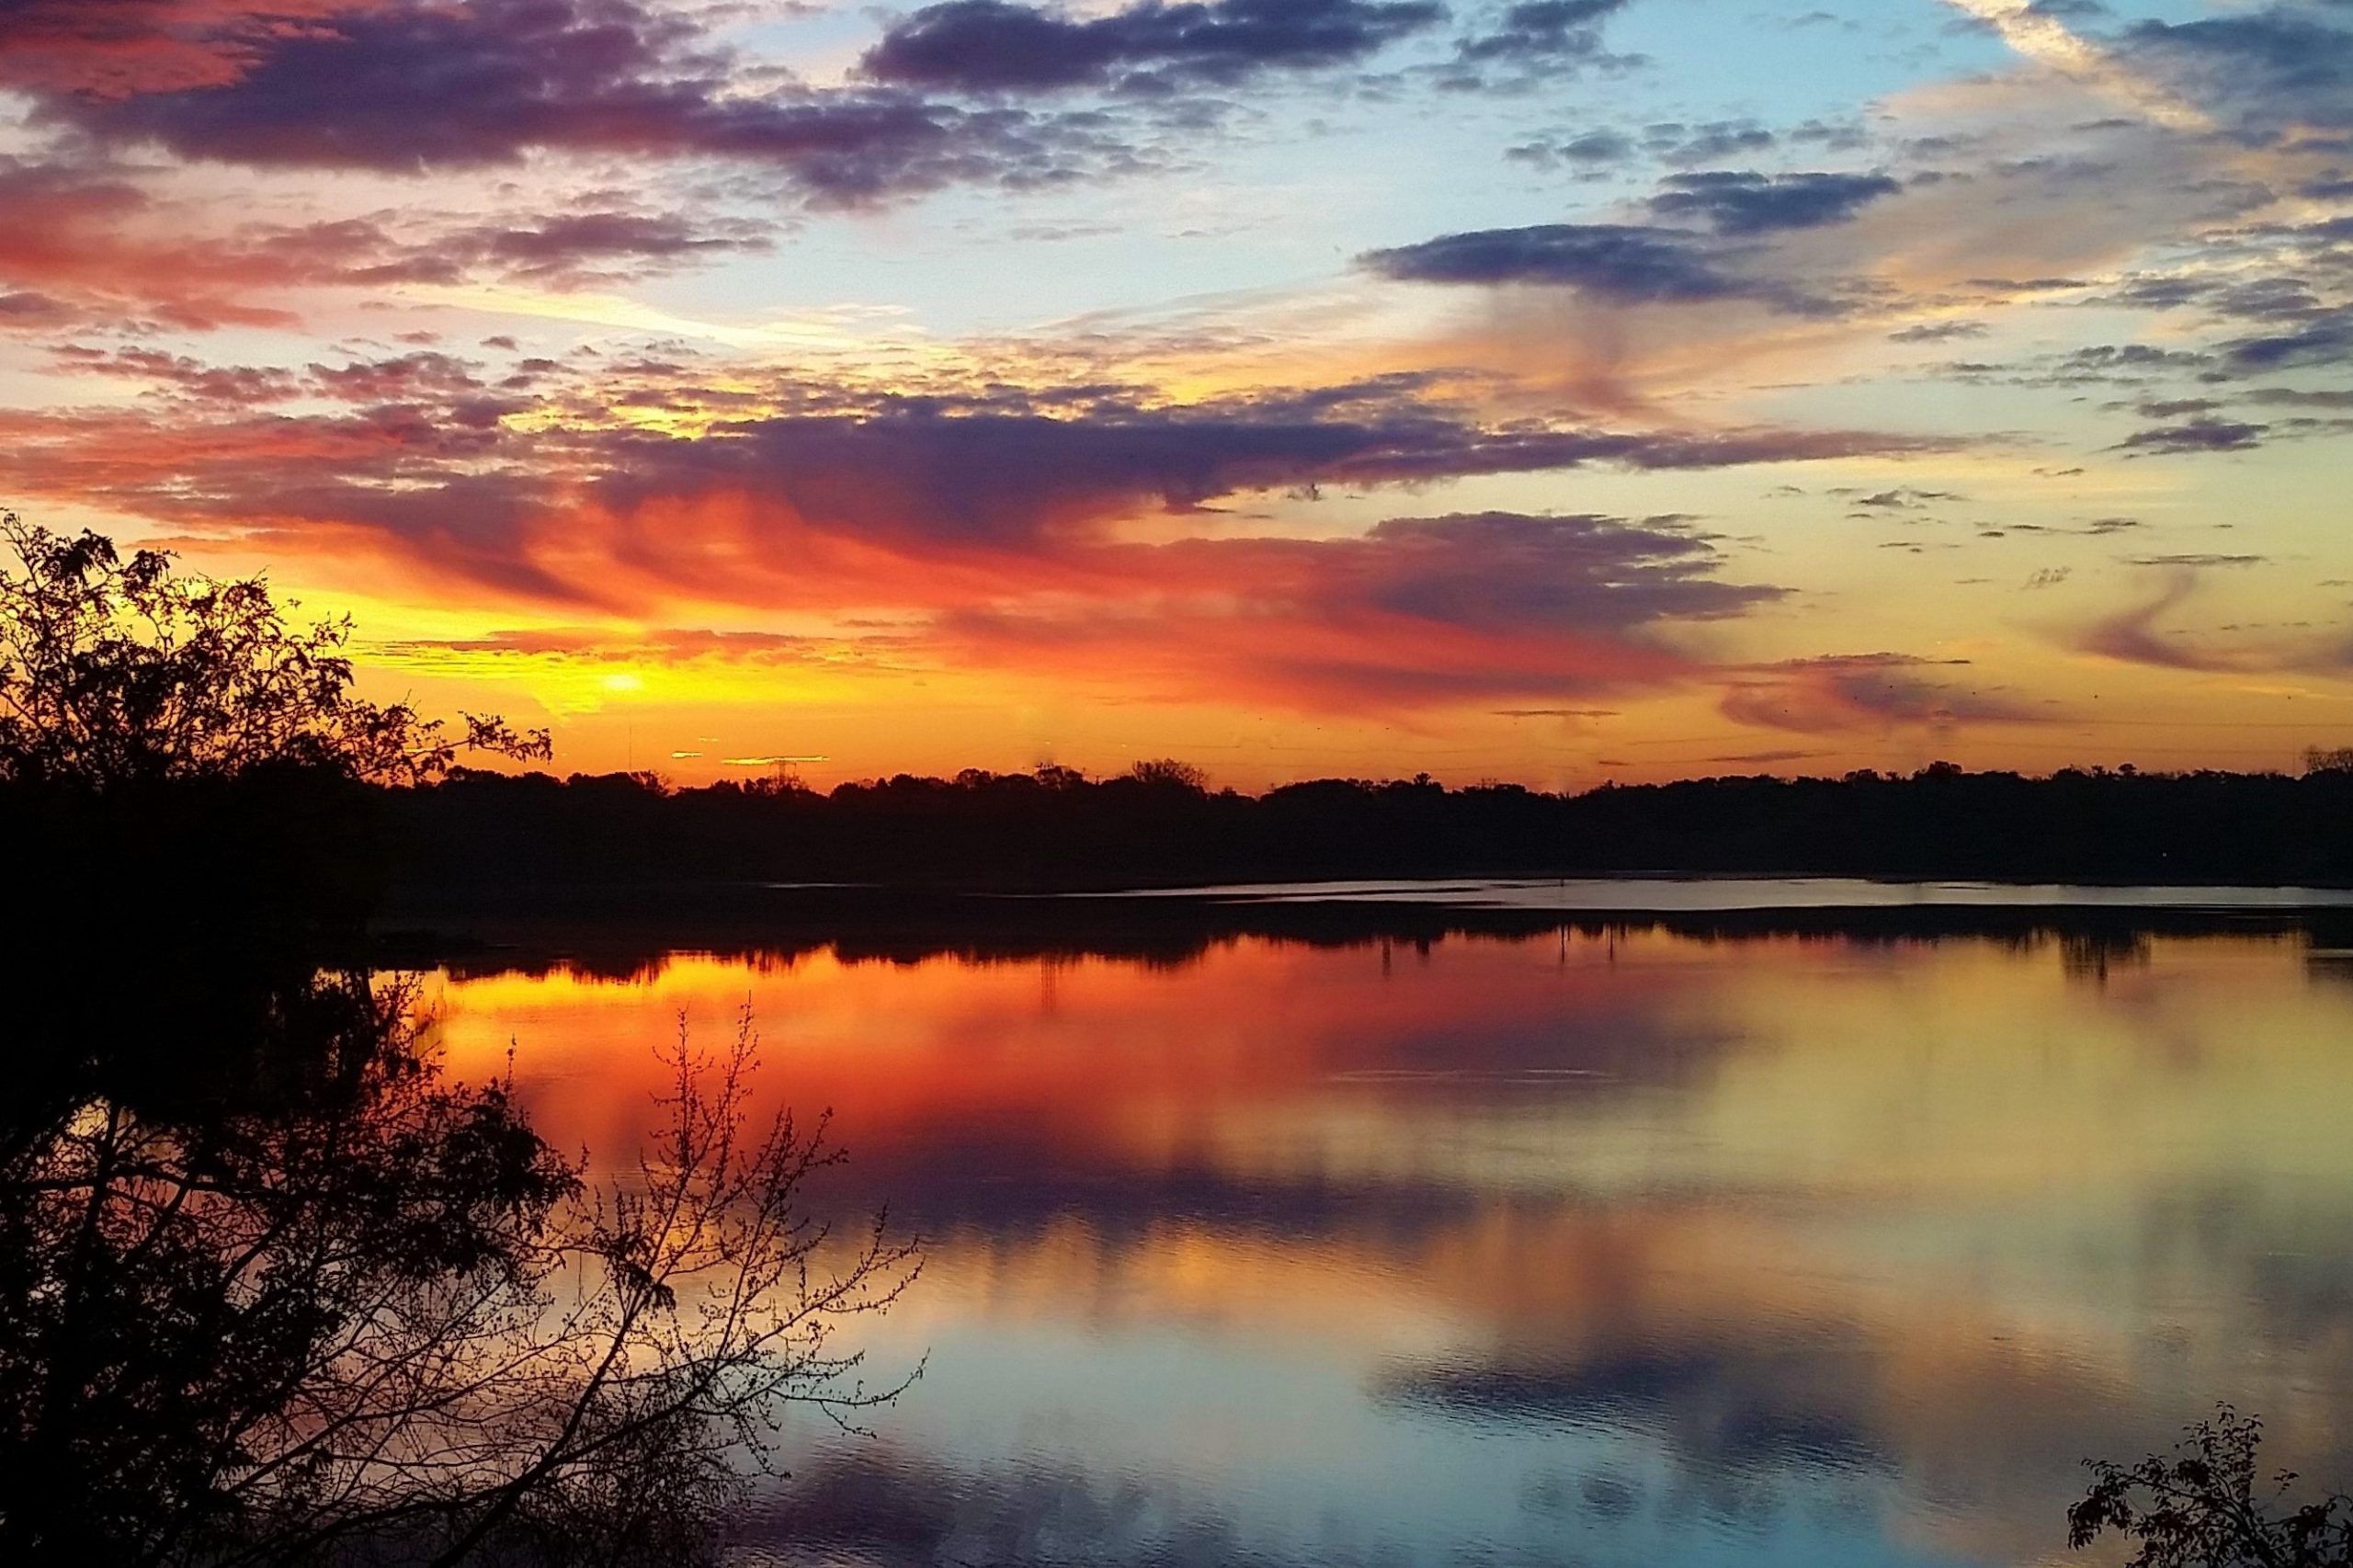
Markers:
point(1613, 1251)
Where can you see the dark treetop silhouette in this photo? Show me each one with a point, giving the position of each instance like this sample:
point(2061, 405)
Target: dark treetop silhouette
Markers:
point(117, 672)
point(272, 1290)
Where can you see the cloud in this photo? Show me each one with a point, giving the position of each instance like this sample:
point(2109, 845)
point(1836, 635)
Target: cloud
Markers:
point(1674, 142)
point(2041, 33)
point(92, 246)
point(1903, 498)
point(2132, 636)
point(572, 245)
point(183, 375)
point(2325, 341)
point(1937, 332)
point(847, 501)
point(1762, 758)
point(986, 529)
point(2200, 435)
point(656, 647)
point(2194, 562)
point(1511, 568)
point(1416, 612)
point(1572, 714)
point(404, 88)
point(1634, 264)
point(1749, 203)
point(2293, 397)
point(24, 308)
point(2136, 634)
point(1728, 260)
point(2124, 364)
point(99, 249)
point(989, 46)
point(423, 376)
point(1589, 149)
point(1622, 260)
point(110, 48)
point(987, 470)
point(2262, 70)
point(1851, 691)
point(1543, 32)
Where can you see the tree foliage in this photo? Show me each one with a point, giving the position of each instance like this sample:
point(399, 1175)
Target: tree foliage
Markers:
point(2207, 1506)
point(274, 1291)
point(116, 671)
point(1170, 773)
point(356, 1312)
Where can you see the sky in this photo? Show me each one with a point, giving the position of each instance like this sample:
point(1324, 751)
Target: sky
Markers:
point(1560, 392)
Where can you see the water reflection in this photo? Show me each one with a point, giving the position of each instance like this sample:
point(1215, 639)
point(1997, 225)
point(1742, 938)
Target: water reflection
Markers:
point(1608, 1246)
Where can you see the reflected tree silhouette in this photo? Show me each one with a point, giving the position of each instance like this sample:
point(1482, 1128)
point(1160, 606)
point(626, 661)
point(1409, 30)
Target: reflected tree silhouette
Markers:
point(273, 1288)
point(2208, 1504)
point(369, 1315)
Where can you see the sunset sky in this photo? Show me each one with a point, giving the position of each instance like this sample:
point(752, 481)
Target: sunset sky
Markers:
point(1562, 392)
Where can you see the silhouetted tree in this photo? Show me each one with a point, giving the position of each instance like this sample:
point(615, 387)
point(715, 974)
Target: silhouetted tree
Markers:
point(1167, 772)
point(189, 783)
point(272, 1290)
point(114, 672)
point(357, 1313)
point(2206, 1506)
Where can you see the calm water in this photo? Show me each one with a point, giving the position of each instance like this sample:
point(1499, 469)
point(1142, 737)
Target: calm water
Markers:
point(1643, 1250)
point(1671, 894)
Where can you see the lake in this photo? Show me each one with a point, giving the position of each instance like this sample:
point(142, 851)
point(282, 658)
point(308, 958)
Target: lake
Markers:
point(1606, 1244)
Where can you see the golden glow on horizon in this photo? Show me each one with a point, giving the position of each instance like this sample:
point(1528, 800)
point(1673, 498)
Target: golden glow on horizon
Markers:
point(921, 524)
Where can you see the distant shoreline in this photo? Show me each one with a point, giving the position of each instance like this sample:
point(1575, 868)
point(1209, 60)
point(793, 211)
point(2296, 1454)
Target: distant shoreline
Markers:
point(1587, 894)
point(1056, 831)
point(622, 930)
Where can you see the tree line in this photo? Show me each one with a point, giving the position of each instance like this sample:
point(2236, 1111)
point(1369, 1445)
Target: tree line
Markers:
point(1158, 824)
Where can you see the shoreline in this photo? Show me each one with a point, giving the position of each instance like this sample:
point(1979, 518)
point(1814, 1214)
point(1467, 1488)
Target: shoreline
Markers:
point(626, 929)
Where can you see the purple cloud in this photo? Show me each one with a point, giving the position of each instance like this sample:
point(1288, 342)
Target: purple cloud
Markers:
point(1637, 263)
point(409, 87)
point(1850, 691)
point(2201, 435)
point(989, 46)
point(1745, 202)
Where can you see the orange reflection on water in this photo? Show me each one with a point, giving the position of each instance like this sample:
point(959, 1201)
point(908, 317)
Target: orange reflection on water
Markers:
point(1794, 1063)
point(1961, 1211)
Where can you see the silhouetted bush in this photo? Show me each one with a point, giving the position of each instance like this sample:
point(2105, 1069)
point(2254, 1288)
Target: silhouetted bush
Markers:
point(193, 799)
point(2205, 1505)
point(116, 674)
point(272, 1290)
